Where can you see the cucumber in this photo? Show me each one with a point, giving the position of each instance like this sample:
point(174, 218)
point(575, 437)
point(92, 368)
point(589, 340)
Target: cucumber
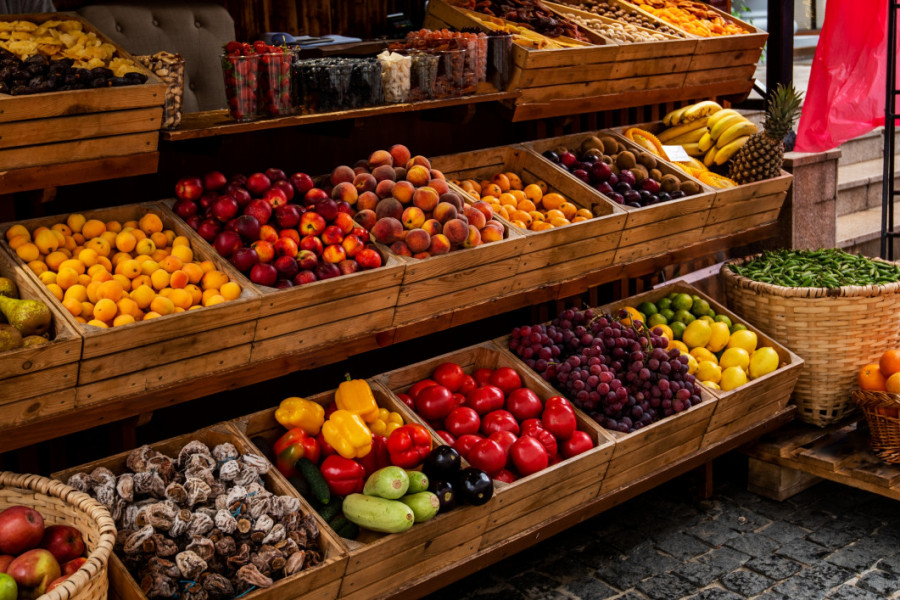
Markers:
point(378, 514)
point(344, 528)
point(390, 483)
point(317, 484)
point(330, 510)
point(418, 482)
point(424, 505)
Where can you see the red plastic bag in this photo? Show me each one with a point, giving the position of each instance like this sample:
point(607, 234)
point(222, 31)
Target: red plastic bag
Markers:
point(845, 98)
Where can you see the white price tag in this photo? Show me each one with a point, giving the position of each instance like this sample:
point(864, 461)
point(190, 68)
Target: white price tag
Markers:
point(676, 153)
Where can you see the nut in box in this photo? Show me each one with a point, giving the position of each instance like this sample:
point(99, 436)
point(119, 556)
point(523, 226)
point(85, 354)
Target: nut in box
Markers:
point(170, 70)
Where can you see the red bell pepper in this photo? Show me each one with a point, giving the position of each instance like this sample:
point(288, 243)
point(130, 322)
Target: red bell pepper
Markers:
point(378, 457)
point(291, 447)
point(327, 450)
point(408, 446)
point(343, 475)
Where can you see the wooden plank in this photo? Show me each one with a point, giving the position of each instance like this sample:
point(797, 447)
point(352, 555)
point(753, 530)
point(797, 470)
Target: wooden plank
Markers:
point(757, 220)
point(576, 90)
point(876, 472)
point(38, 383)
point(712, 61)
point(707, 76)
point(82, 171)
point(115, 145)
point(15, 414)
point(832, 452)
point(777, 482)
point(60, 129)
point(471, 280)
point(335, 311)
point(761, 204)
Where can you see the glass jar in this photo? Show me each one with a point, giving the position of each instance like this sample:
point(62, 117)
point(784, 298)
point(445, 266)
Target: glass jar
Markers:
point(395, 79)
point(241, 86)
point(451, 73)
point(499, 60)
point(423, 74)
point(275, 84)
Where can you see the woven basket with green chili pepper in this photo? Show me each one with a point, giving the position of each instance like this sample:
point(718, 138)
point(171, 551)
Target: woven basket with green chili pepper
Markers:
point(831, 268)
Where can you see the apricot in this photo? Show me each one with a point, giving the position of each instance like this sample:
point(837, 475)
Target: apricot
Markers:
point(456, 231)
point(426, 198)
point(389, 207)
point(387, 230)
point(445, 211)
point(341, 174)
point(400, 154)
point(418, 240)
point(418, 175)
point(379, 158)
point(439, 244)
point(413, 218)
point(385, 188)
point(384, 173)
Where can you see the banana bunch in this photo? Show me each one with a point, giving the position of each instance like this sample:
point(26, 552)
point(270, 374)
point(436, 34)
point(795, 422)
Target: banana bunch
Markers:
point(706, 130)
point(689, 114)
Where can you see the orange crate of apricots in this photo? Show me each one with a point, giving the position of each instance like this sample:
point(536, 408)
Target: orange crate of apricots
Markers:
point(122, 276)
point(569, 229)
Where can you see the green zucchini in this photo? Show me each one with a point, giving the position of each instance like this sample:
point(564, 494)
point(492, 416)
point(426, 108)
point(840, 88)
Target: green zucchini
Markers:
point(418, 482)
point(390, 483)
point(378, 514)
point(317, 484)
point(424, 505)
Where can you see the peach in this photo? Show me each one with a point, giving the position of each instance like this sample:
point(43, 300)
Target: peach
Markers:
point(403, 191)
point(385, 188)
point(401, 249)
point(454, 199)
point(384, 172)
point(426, 198)
point(439, 185)
point(419, 160)
point(345, 191)
point(365, 182)
point(366, 218)
point(421, 255)
point(432, 226)
point(456, 231)
point(400, 154)
point(360, 169)
point(361, 164)
point(387, 230)
point(389, 207)
point(400, 173)
point(418, 175)
point(435, 174)
point(418, 240)
point(485, 209)
point(439, 244)
point(473, 239)
point(490, 233)
point(413, 217)
point(380, 157)
point(475, 216)
point(342, 173)
point(444, 211)
point(367, 201)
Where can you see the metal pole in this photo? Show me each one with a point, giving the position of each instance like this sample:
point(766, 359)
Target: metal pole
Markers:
point(780, 49)
point(887, 184)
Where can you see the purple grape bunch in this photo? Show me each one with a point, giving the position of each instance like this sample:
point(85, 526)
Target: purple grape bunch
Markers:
point(621, 375)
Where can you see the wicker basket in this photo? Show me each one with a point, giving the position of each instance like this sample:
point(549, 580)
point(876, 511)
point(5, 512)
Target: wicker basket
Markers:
point(62, 505)
point(882, 412)
point(833, 330)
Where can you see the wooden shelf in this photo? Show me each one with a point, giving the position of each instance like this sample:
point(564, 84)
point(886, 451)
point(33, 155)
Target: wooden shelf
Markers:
point(83, 171)
point(218, 122)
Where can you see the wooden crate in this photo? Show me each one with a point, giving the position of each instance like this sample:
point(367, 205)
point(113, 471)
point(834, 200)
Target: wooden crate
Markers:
point(39, 381)
point(521, 504)
point(141, 356)
point(377, 557)
point(651, 230)
point(66, 126)
point(556, 254)
point(321, 582)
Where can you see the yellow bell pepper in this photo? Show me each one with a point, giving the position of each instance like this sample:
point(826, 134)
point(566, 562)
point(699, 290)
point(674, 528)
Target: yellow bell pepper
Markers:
point(355, 395)
point(386, 422)
point(347, 434)
point(298, 412)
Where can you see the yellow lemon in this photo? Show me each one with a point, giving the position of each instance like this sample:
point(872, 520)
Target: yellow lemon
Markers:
point(666, 331)
point(693, 365)
point(709, 371)
point(735, 357)
point(711, 385)
point(719, 337)
point(733, 377)
point(633, 315)
point(763, 361)
point(744, 338)
point(680, 345)
point(697, 334)
point(702, 354)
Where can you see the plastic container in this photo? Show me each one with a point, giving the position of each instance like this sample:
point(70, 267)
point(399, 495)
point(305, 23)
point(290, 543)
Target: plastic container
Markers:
point(499, 60)
point(275, 84)
point(451, 73)
point(241, 86)
point(423, 74)
point(395, 76)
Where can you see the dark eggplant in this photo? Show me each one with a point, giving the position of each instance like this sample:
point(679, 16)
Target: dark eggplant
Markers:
point(446, 493)
point(442, 462)
point(474, 486)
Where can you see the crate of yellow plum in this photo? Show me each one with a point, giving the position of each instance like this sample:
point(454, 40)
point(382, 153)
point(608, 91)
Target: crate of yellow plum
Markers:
point(568, 229)
point(751, 374)
point(122, 276)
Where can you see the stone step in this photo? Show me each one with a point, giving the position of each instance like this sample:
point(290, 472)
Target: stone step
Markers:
point(866, 147)
point(859, 185)
point(862, 227)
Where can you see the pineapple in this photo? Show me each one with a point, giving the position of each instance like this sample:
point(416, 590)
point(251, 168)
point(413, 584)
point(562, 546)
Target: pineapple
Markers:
point(761, 157)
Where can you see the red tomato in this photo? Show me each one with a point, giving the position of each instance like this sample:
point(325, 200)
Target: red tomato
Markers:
point(524, 404)
point(485, 399)
point(499, 420)
point(451, 441)
point(559, 420)
point(507, 379)
point(505, 439)
point(560, 402)
point(528, 455)
point(482, 376)
point(578, 443)
point(529, 426)
point(462, 420)
point(458, 400)
point(434, 402)
point(464, 443)
point(504, 475)
point(418, 387)
point(407, 400)
point(547, 440)
point(488, 456)
point(468, 385)
point(450, 375)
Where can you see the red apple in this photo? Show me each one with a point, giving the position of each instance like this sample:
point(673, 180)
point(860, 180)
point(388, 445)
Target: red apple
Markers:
point(313, 244)
point(5, 559)
point(368, 258)
point(286, 187)
point(302, 183)
point(227, 242)
point(334, 254)
point(286, 266)
point(307, 260)
point(247, 227)
point(275, 175)
point(21, 529)
point(64, 541)
point(260, 209)
point(314, 195)
point(327, 270)
point(264, 250)
point(73, 565)
point(243, 259)
point(209, 229)
point(332, 235)
point(258, 183)
point(305, 277)
point(285, 247)
point(287, 215)
point(56, 583)
point(327, 208)
point(224, 208)
point(36, 570)
point(189, 188)
point(312, 223)
point(238, 179)
point(240, 194)
point(214, 180)
point(348, 266)
point(263, 274)
point(275, 197)
point(185, 208)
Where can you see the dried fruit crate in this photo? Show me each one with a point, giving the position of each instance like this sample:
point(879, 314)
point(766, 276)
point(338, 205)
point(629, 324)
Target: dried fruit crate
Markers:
point(530, 500)
point(322, 312)
point(320, 582)
point(648, 231)
point(39, 381)
point(130, 359)
point(755, 401)
point(557, 254)
point(742, 207)
point(73, 125)
point(379, 557)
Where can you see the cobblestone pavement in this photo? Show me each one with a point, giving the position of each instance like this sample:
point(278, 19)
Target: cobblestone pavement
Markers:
point(829, 542)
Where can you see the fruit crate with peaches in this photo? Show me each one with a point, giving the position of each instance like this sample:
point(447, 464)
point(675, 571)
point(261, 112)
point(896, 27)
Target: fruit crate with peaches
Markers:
point(37, 376)
point(557, 245)
point(492, 397)
point(665, 207)
point(452, 535)
point(134, 339)
point(224, 457)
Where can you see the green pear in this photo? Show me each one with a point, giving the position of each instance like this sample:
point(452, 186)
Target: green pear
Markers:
point(8, 288)
point(10, 338)
point(30, 317)
point(34, 340)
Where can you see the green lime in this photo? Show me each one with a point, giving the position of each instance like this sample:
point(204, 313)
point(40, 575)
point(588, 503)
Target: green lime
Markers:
point(738, 327)
point(711, 313)
point(677, 328)
point(647, 308)
point(664, 303)
point(700, 307)
point(706, 318)
point(668, 313)
point(8, 588)
point(684, 316)
point(723, 319)
point(657, 319)
point(672, 296)
point(682, 302)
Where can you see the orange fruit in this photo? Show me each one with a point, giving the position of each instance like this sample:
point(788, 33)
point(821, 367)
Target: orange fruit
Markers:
point(213, 280)
point(98, 323)
point(37, 267)
point(892, 384)
point(141, 280)
point(113, 226)
point(181, 241)
point(181, 298)
point(552, 200)
point(78, 292)
point(92, 229)
point(66, 278)
point(63, 229)
point(160, 279)
point(890, 362)
point(163, 306)
point(105, 310)
point(568, 209)
point(526, 205)
point(17, 230)
point(183, 253)
point(207, 266)
point(515, 182)
point(213, 300)
point(633, 314)
point(88, 256)
point(150, 223)
point(870, 378)
point(160, 239)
